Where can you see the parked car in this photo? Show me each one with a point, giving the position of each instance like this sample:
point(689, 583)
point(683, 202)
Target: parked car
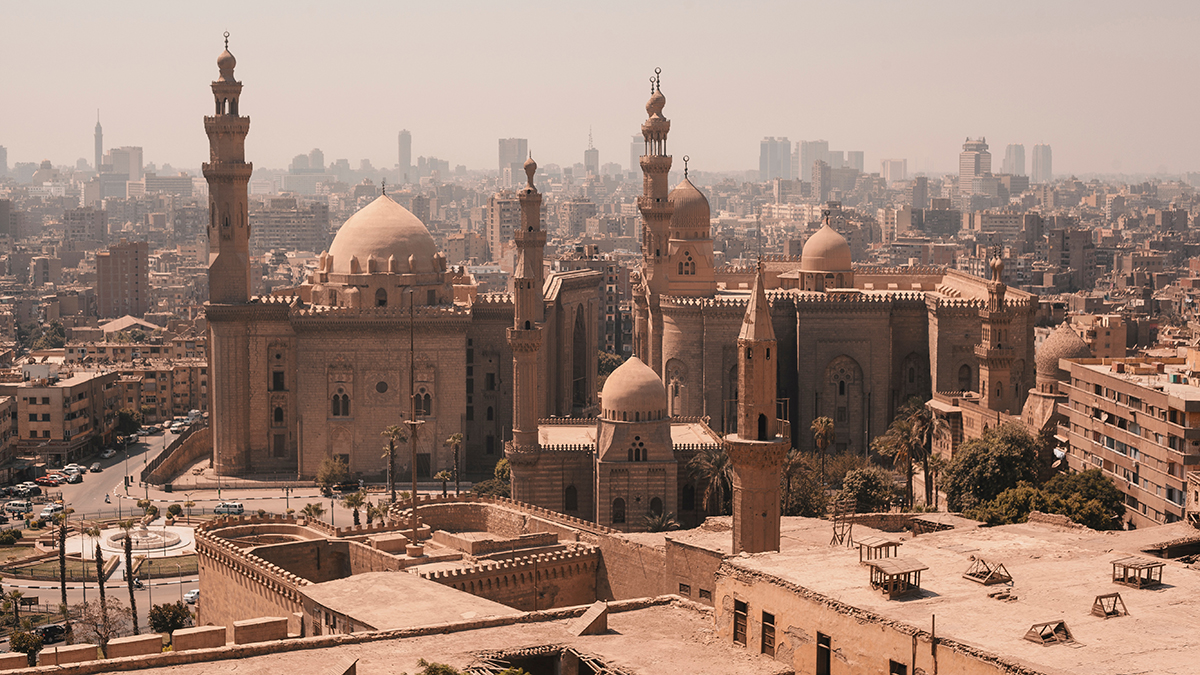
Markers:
point(95, 467)
point(348, 486)
point(51, 633)
point(75, 478)
point(108, 453)
point(29, 491)
point(229, 508)
point(48, 481)
point(192, 596)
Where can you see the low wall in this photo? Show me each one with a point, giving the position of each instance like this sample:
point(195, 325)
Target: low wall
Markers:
point(479, 547)
point(135, 645)
point(260, 630)
point(13, 661)
point(691, 570)
point(530, 583)
point(57, 656)
point(200, 637)
point(190, 450)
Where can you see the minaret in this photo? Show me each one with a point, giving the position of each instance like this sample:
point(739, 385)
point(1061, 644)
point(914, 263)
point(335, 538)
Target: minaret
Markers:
point(656, 211)
point(995, 351)
point(228, 174)
point(757, 449)
point(99, 143)
point(525, 338)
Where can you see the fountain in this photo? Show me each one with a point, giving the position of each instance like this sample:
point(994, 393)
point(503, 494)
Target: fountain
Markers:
point(144, 539)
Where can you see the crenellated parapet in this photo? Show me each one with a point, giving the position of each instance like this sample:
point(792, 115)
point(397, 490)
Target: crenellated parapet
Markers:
point(581, 559)
point(915, 270)
point(400, 511)
point(242, 564)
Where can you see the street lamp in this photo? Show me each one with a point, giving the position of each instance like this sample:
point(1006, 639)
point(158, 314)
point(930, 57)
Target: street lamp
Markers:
point(180, 568)
point(150, 582)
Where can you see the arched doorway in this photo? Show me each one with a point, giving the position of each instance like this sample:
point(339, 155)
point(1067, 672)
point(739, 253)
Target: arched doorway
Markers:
point(842, 401)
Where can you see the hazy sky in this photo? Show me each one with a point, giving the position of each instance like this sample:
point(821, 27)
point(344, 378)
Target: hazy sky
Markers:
point(1110, 85)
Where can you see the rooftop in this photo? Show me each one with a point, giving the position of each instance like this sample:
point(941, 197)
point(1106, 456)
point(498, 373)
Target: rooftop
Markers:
point(682, 433)
point(374, 598)
point(1057, 574)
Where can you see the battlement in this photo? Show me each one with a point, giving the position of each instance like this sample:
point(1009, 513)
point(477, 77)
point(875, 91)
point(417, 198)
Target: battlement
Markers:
point(915, 270)
point(542, 561)
point(391, 313)
point(400, 511)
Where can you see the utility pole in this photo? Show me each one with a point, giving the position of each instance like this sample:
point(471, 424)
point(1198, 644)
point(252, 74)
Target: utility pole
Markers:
point(413, 423)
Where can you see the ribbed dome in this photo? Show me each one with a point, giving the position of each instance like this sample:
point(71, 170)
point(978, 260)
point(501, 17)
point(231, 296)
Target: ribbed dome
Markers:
point(384, 229)
point(633, 388)
point(1063, 343)
point(691, 208)
point(826, 251)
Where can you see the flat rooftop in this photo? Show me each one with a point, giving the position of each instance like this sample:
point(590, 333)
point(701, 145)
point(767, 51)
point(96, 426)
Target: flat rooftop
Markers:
point(393, 600)
point(1057, 573)
point(657, 639)
point(682, 433)
point(1143, 373)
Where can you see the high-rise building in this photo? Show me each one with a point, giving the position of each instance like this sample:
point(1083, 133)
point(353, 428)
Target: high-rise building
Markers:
point(1014, 160)
point(316, 161)
point(99, 143)
point(810, 152)
point(974, 161)
point(512, 156)
point(1043, 171)
point(635, 152)
point(123, 279)
point(504, 213)
point(591, 158)
point(3, 161)
point(919, 193)
point(894, 170)
point(854, 160)
point(286, 223)
point(774, 158)
point(126, 161)
point(85, 228)
point(819, 189)
point(405, 159)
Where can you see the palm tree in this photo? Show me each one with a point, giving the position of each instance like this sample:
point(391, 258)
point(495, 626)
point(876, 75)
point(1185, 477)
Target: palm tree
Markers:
point(375, 511)
point(14, 597)
point(923, 428)
point(823, 436)
point(395, 435)
point(455, 441)
point(792, 463)
point(660, 522)
point(127, 525)
point(313, 511)
point(445, 477)
point(354, 501)
point(711, 468)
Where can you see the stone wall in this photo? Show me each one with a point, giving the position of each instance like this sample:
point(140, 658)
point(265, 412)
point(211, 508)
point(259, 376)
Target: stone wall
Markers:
point(628, 569)
point(316, 561)
point(196, 446)
point(690, 571)
point(530, 583)
point(238, 584)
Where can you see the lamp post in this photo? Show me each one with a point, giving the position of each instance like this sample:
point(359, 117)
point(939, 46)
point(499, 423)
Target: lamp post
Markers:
point(150, 582)
point(180, 568)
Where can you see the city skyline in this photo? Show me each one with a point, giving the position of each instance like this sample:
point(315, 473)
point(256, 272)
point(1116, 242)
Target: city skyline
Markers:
point(317, 83)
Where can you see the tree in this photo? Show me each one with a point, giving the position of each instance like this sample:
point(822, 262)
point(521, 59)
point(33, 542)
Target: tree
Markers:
point(660, 522)
point(169, 617)
point(923, 426)
point(455, 441)
point(823, 436)
point(1090, 499)
point(100, 622)
point(100, 576)
point(396, 435)
point(871, 488)
point(188, 505)
point(26, 641)
point(174, 510)
point(804, 495)
point(375, 511)
point(986, 466)
point(896, 444)
point(354, 501)
point(53, 336)
point(710, 467)
point(499, 485)
point(60, 519)
point(313, 511)
point(127, 525)
point(129, 420)
point(331, 472)
point(13, 597)
point(606, 363)
point(444, 476)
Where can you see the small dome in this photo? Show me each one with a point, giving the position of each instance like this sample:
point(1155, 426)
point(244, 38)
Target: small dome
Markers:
point(691, 208)
point(826, 251)
point(633, 388)
point(530, 169)
point(384, 229)
point(655, 105)
point(1063, 343)
point(226, 63)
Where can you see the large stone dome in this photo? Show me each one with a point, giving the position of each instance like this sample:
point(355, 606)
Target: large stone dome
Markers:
point(691, 209)
point(826, 251)
point(384, 229)
point(1063, 343)
point(633, 392)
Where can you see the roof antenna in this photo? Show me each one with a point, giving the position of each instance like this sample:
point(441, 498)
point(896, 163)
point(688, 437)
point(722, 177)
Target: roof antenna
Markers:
point(227, 40)
point(685, 161)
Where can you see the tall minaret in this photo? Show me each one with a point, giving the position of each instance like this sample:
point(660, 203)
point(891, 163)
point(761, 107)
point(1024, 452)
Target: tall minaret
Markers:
point(656, 218)
point(99, 142)
point(525, 339)
point(758, 447)
point(228, 174)
point(995, 351)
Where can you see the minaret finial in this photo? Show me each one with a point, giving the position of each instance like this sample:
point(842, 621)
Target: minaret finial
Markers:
point(685, 161)
point(226, 39)
point(657, 78)
point(383, 185)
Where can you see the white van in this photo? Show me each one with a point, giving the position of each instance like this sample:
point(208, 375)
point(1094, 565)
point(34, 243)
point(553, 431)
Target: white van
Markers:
point(229, 508)
point(19, 507)
point(50, 509)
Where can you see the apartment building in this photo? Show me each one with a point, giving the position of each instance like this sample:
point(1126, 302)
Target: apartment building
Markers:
point(63, 416)
point(1138, 420)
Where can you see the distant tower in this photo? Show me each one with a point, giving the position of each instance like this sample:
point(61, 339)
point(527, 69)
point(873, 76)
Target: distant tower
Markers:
point(99, 142)
point(995, 352)
point(759, 445)
point(1043, 165)
point(228, 175)
point(656, 209)
point(1014, 159)
point(591, 158)
point(525, 339)
point(973, 161)
point(405, 165)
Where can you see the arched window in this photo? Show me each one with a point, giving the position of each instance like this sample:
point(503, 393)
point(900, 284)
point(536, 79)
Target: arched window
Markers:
point(656, 507)
point(380, 298)
point(841, 387)
point(687, 500)
point(631, 456)
point(680, 268)
point(337, 406)
point(912, 375)
point(999, 390)
point(278, 415)
point(341, 404)
point(618, 510)
point(427, 405)
point(491, 414)
point(527, 325)
point(762, 427)
point(964, 378)
point(571, 499)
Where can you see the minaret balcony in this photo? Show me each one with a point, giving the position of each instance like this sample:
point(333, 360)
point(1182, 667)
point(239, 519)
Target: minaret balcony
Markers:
point(525, 339)
point(995, 354)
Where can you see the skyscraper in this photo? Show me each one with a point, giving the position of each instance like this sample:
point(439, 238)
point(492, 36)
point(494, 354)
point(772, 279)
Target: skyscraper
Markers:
point(1043, 171)
point(894, 170)
point(591, 158)
point(99, 143)
point(812, 151)
point(1014, 160)
point(127, 160)
point(974, 161)
point(854, 160)
point(512, 156)
point(405, 163)
point(3, 161)
point(919, 193)
point(819, 190)
point(774, 158)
